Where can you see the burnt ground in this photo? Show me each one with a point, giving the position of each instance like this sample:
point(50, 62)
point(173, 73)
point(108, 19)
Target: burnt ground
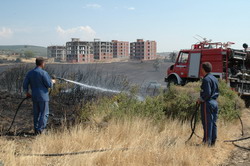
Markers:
point(239, 156)
point(60, 114)
point(136, 72)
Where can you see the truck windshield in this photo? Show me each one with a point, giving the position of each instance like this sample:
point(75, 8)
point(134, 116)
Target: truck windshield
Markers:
point(183, 58)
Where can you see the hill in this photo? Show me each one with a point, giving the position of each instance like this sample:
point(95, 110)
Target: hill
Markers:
point(10, 49)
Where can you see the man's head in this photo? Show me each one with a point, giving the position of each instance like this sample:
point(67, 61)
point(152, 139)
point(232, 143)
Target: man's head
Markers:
point(40, 62)
point(206, 67)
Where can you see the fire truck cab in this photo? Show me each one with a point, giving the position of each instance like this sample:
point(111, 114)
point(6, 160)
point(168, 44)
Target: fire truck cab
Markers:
point(229, 64)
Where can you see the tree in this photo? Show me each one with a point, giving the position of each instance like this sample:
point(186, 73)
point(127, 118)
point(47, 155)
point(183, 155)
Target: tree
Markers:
point(173, 56)
point(18, 60)
point(156, 64)
point(29, 54)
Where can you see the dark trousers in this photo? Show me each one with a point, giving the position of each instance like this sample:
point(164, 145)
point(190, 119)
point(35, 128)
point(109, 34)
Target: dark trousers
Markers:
point(41, 114)
point(209, 116)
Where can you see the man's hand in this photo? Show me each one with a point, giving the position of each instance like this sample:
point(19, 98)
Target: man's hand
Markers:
point(198, 101)
point(53, 81)
point(28, 95)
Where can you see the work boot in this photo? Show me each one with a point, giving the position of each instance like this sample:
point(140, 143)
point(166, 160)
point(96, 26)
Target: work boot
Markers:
point(37, 132)
point(212, 144)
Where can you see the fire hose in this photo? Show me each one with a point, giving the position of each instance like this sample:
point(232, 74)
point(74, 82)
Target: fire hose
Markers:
point(55, 154)
point(73, 153)
point(193, 124)
point(17, 110)
point(13, 120)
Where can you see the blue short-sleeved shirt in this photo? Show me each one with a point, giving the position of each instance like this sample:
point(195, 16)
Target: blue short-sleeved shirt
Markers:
point(39, 81)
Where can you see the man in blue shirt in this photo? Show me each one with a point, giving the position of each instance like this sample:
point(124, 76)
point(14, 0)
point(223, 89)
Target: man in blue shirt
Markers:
point(209, 106)
point(39, 81)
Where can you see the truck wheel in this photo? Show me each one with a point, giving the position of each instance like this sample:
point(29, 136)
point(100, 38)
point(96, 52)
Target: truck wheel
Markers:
point(172, 81)
point(247, 101)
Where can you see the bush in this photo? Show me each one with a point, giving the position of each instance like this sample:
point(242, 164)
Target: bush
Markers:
point(18, 60)
point(230, 104)
point(179, 102)
point(29, 54)
point(123, 107)
point(12, 79)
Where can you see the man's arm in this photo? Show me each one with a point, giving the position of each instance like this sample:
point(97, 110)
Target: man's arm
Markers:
point(47, 80)
point(26, 84)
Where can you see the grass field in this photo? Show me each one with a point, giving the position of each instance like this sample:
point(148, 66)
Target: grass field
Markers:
point(147, 144)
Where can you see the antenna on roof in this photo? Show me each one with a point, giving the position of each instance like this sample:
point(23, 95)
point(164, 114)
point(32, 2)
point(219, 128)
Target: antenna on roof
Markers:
point(205, 40)
point(228, 44)
point(197, 38)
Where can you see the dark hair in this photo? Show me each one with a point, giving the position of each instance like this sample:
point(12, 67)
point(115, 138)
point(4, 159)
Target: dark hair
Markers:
point(39, 61)
point(207, 66)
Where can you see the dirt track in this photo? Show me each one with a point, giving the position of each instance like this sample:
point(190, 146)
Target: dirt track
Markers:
point(241, 157)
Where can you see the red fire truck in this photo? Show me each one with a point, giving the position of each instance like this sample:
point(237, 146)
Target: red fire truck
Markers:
point(230, 64)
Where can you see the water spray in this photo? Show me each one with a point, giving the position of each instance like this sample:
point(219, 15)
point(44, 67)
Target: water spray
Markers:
point(140, 98)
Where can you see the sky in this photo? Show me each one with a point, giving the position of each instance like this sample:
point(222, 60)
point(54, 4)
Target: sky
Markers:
point(173, 24)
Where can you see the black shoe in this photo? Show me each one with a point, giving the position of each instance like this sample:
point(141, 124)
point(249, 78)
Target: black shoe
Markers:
point(212, 144)
point(38, 132)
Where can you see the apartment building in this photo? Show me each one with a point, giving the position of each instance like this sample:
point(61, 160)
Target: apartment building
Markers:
point(57, 52)
point(103, 50)
point(120, 49)
point(79, 51)
point(143, 50)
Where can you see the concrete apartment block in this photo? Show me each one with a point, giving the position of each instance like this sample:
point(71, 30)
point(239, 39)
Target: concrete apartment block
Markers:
point(79, 51)
point(120, 49)
point(103, 50)
point(57, 52)
point(143, 50)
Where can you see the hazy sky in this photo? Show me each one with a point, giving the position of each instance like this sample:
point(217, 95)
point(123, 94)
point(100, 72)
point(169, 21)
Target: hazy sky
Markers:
point(171, 23)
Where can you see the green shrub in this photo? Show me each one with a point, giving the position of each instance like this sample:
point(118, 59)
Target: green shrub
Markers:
point(230, 104)
point(18, 60)
point(179, 102)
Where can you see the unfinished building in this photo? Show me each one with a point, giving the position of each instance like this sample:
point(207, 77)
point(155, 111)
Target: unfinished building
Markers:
point(143, 50)
point(79, 51)
point(120, 49)
point(103, 50)
point(57, 52)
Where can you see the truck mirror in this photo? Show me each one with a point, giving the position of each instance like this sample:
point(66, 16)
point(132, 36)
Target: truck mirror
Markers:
point(245, 45)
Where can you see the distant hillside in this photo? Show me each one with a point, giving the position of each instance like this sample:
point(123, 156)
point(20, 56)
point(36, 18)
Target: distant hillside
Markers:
point(9, 49)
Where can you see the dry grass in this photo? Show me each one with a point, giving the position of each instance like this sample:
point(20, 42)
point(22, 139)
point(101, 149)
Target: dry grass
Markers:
point(150, 144)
